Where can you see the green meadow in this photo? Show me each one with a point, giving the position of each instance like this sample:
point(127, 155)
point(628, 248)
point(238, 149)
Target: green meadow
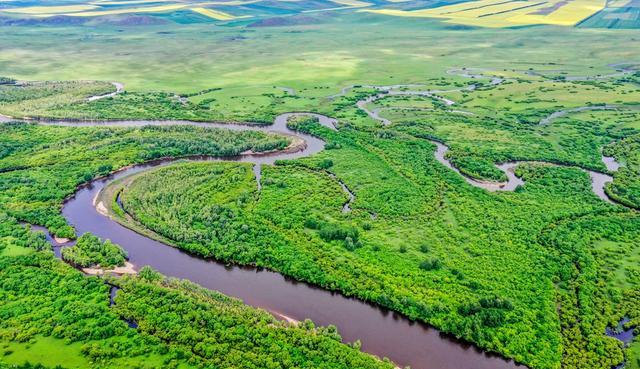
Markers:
point(342, 49)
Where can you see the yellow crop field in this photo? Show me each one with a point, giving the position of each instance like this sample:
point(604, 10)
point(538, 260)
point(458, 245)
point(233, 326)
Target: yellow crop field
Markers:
point(37, 10)
point(462, 7)
point(229, 3)
point(352, 3)
point(215, 14)
point(95, 9)
point(496, 10)
point(150, 9)
point(483, 13)
point(128, 2)
point(567, 15)
point(501, 13)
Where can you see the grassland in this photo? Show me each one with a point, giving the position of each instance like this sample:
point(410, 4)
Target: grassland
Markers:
point(47, 351)
point(404, 50)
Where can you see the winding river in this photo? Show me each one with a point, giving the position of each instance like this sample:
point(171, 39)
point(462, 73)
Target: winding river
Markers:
point(382, 332)
point(598, 180)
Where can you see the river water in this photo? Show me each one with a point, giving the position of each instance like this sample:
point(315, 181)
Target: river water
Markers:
point(382, 332)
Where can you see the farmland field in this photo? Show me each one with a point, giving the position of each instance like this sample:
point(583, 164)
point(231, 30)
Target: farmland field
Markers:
point(320, 184)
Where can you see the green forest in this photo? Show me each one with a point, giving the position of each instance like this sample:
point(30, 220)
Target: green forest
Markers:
point(90, 250)
point(41, 166)
point(405, 256)
point(537, 274)
point(48, 305)
point(51, 308)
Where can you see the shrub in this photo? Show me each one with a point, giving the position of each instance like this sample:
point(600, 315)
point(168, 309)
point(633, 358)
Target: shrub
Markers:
point(431, 264)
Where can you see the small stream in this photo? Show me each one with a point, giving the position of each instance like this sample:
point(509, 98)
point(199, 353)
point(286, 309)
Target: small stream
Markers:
point(623, 335)
point(119, 88)
point(561, 113)
point(598, 180)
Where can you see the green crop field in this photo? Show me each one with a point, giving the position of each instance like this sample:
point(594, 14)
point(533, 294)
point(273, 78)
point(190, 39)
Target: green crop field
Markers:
point(407, 204)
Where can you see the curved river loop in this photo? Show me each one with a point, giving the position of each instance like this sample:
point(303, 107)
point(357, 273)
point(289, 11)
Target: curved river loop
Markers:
point(381, 331)
point(598, 179)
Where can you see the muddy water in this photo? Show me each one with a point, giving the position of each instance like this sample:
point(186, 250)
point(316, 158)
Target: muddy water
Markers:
point(311, 144)
point(611, 163)
point(507, 168)
point(382, 332)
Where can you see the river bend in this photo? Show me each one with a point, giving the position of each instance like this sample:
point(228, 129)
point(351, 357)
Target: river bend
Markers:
point(382, 332)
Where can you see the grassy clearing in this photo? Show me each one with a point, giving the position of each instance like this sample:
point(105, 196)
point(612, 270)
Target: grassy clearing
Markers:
point(14, 250)
point(633, 358)
point(621, 259)
point(40, 98)
point(48, 351)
